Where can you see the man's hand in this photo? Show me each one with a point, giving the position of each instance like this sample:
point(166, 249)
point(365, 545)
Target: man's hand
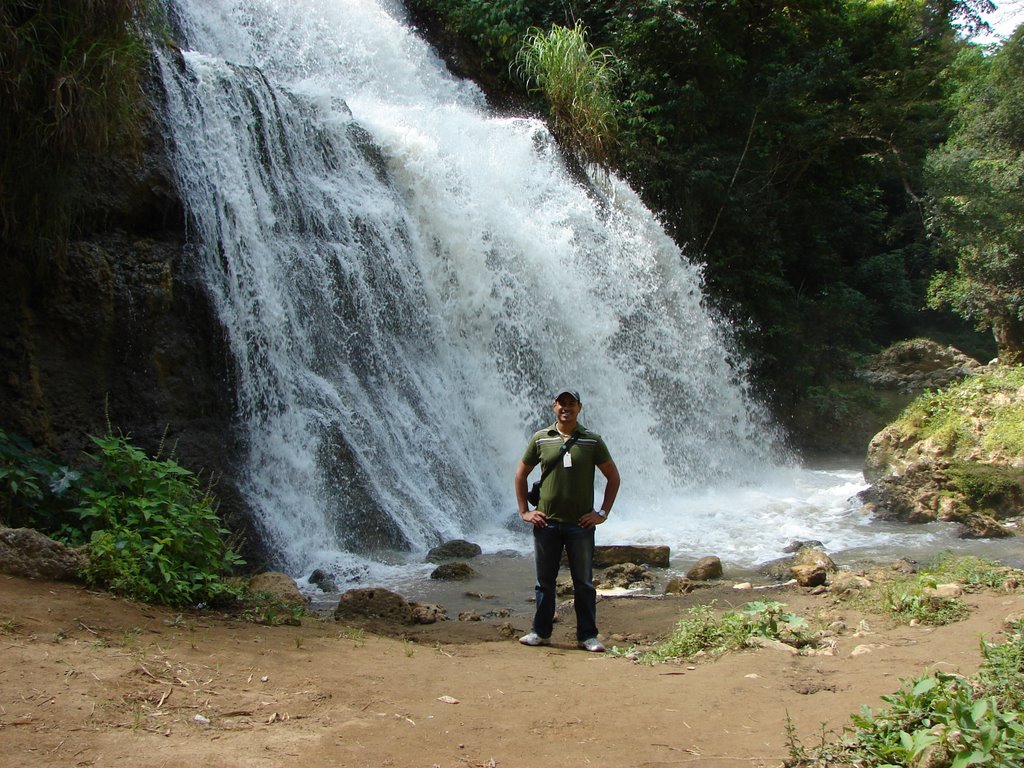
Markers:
point(591, 520)
point(535, 517)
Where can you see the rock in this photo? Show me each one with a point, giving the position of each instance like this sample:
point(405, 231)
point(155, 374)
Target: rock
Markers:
point(1017, 617)
point(627, 576)
point(278, 585)
point(455, 549)
point(453, 572)
point(374, 603)
point(470, 616)
point(944, 591)
point(817, 557)
point(845, 583)
point(757, 641)
point(428, 613)
point(918, 364)
point(614, 554)
point(743, 585)
point(29, 553)
point(797, 545)
point(324, 580)
point(678, 586)
point(705, 569)
point(812, 575)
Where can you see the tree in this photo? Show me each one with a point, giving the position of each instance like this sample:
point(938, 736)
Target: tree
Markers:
point(976, 186)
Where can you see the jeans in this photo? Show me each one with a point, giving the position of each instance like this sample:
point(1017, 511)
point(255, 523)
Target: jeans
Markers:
point(578, 544)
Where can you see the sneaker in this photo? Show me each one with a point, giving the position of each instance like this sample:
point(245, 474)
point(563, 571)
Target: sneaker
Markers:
point(592, 644)
point(532, 638)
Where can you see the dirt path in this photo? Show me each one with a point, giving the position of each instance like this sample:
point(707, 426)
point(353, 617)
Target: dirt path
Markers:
point(87, 679)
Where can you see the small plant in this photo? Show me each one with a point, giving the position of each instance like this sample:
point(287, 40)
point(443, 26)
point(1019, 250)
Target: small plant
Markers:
point(8, 627)
point(265, 608)
point(941, 719)
point(702, 632)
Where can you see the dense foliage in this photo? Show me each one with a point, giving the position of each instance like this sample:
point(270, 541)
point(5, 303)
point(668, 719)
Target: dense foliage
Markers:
point(977, 185)
point(783, 145)
point(151, 530)
point(70, 85)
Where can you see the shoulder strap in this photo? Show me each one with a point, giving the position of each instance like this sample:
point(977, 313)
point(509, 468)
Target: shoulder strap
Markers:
point(561, 452)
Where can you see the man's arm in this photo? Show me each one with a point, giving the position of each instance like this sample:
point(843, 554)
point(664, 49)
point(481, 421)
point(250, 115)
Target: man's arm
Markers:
point(536, 517)
point(611, 490)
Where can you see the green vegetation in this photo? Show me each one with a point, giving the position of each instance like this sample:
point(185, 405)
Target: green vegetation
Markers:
point(939, 719)
point(578, 82)
point(702, 632)
point(946, 415)
point(912, 597)
point(977, 209)
point(152, 531)
point(70, 86)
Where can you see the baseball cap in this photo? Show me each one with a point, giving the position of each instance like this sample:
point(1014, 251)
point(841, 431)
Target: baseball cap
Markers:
point(571, 392)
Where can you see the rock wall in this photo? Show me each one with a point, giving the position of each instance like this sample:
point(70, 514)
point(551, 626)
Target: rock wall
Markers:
point(114, 328)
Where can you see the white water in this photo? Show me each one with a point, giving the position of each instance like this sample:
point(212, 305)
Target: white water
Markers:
point(405, 278)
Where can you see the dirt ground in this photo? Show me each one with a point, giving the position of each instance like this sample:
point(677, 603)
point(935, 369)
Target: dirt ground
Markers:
point(88, 679)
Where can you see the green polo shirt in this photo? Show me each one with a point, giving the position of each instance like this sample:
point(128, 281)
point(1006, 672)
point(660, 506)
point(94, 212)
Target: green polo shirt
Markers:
point(567, 492)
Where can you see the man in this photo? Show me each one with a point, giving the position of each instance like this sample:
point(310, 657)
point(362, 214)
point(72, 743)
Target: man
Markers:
point(565, 517)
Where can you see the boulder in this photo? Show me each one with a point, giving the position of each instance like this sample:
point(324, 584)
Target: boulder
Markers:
point(456, 549)
point(453, 572)
point(611, 554)
point(428, 613)
point(705, 569)
point(279, 585)
point(374, 603)
point(679, 586)
point(918, 364)
point(29, 553)
point(809, 575)
point(815, 557)
point(847, 583)
point(324, 580)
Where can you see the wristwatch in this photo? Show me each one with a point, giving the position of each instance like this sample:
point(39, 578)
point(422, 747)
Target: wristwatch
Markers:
point(602, 513)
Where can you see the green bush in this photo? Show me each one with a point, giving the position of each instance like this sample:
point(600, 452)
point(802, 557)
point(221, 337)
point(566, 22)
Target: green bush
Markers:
point(35, 492)
point(153, 532)
point(940, 719)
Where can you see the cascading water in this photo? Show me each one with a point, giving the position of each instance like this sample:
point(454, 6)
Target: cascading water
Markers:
point(405, 278)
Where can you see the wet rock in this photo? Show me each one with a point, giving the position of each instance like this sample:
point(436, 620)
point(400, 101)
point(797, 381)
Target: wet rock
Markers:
point(609, 554)
point(705, 569)
point(453, 572)
point(456, 549)
point(428, 613)
point(323, 580)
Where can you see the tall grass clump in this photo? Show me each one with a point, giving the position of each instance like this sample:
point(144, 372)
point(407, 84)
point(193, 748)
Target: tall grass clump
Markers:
point(578, 83)
point(70, 85)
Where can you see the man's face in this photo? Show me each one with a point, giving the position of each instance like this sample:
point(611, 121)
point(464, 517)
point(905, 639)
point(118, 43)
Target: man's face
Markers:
point(567, 409)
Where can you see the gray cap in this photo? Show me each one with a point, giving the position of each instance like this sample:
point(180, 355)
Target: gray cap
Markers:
point(571, 392)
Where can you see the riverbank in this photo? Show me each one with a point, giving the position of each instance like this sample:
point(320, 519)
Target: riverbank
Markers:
point(90, 679)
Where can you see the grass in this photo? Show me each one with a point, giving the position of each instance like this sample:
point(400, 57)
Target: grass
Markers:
point(701, 632)
point(71, 75)
point(578, 82)
point(910, 598)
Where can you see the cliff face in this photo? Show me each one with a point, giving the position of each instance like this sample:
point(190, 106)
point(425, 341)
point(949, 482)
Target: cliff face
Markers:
point(115, 326)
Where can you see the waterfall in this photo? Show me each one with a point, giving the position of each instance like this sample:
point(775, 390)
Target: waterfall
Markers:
point(405, 278)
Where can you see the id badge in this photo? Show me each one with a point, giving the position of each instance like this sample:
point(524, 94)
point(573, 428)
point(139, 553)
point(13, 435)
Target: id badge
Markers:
point(567, 459)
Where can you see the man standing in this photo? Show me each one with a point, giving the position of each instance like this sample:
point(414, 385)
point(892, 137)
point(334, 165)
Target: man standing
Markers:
point(565, 517)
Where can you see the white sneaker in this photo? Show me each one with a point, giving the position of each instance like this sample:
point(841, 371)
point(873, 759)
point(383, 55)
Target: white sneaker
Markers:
point(532, 638)
point(592, 644)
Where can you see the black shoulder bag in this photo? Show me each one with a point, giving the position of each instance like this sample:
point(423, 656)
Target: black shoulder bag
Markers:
point(534, 495)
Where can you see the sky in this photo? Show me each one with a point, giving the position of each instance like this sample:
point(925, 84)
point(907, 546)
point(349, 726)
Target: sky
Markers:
point(1007, 15)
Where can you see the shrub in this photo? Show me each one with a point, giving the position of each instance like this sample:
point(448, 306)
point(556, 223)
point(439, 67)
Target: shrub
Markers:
point(153, 532)
point(940, 719)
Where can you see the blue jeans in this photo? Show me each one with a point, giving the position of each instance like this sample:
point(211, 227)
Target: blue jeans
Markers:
point(578, 544)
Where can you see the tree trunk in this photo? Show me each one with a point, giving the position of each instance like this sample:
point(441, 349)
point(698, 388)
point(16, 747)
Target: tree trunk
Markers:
point(1009, 335)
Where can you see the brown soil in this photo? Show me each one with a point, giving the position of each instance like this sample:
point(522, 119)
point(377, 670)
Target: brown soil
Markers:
point(89, 679)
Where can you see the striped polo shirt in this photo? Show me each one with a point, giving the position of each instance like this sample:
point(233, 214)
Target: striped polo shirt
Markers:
point(567, 493)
